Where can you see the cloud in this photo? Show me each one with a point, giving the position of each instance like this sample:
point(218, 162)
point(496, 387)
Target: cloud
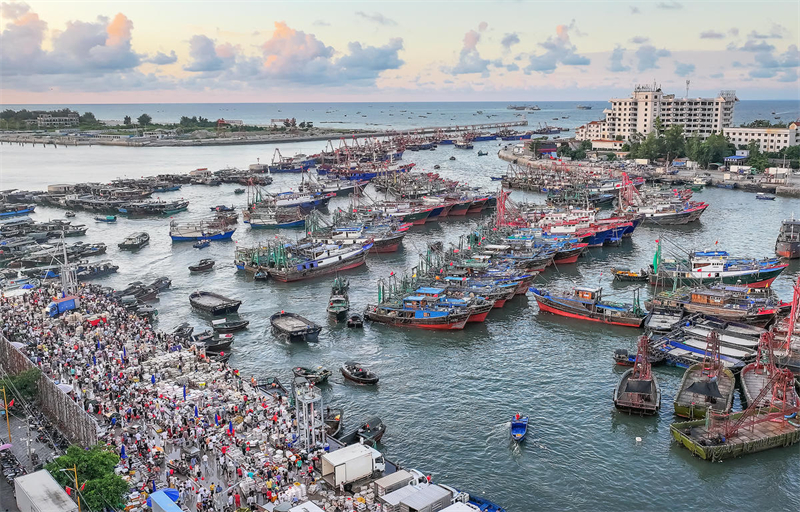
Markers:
point(469, 59)
point(207, 56)
point(717, 75)
point(639, 39)
point(12, 11)
point(377, 17)
point(163, 59)
point(763, 73)
point(509, 40)
point(683, 69)
point(710, 34)
point(482, 26)
point(648, 56)
point(768, 65)
point(321, 23)
point(615, 61)
point(776, 31)
point(82, 47)
point(558, 50)
point(368, 61)
point(669, 5)
point(512, 67)
point(733, 31)
point(790, 75)
point(756, 46)
point(635, 10)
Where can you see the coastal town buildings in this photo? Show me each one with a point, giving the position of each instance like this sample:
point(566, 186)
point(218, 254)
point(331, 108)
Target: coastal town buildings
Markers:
point(769, 139)
point(50, 121)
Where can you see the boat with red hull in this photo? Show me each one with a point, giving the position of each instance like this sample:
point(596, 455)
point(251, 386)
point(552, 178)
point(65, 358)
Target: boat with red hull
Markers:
point(420, 312)
point(586, 304)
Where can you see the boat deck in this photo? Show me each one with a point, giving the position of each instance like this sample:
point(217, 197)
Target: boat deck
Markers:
point(725, 351)
point(291, 323)
point(761, 436)
point(686, 398)
point(211, 301)
point(740, 341)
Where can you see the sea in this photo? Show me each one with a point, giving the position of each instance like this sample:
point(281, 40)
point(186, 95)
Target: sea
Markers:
point(447, 397)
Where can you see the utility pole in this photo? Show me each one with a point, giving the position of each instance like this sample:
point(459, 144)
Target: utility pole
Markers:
point(5, 406)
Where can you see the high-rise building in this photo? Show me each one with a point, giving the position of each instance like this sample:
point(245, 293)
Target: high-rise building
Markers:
point(638, 113)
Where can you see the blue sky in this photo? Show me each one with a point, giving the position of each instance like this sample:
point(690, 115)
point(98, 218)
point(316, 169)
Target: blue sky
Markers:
point(220, 51)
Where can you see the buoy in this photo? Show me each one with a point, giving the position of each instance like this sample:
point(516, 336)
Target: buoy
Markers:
point(638, 440)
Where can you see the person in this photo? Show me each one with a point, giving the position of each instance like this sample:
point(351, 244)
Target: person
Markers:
point(517, 417)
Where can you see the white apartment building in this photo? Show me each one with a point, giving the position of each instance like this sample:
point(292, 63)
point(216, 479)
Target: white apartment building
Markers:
point(48, 121)
point(769, 139)
point(637, 114)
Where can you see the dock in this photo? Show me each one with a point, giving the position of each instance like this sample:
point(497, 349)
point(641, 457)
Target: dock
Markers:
point(763, 435)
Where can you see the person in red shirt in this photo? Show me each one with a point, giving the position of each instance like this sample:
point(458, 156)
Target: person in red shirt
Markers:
point(237, 500)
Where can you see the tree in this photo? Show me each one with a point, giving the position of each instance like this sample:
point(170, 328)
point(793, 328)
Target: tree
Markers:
point(144, 120)
point(674, 141)
point(611, 157)
point(87, 118)
point(659, 126)
point(23, 385)
point(652, 147)
point(693, 147)
point(96, 468)
point(755, 158)
point(127, 120)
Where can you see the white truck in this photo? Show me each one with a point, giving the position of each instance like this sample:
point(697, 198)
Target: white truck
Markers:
point(351, 464)
point(39, 492)
point(396, 480)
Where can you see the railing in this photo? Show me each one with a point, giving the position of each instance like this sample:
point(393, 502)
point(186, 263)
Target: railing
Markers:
point(66, 414)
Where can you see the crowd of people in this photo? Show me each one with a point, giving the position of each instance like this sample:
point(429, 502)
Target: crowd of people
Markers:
point(176, 418)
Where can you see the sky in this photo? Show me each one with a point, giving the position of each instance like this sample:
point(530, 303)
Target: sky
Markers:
point(190, 51)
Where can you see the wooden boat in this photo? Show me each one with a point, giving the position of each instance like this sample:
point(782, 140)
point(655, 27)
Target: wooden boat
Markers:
point(294, 327)
point(339, 302)
point(213, 343)
point(183, 331)
point(225, 325)
point(201, 244)
point(69, 214)
point(239, 191)
point(161, 283)
point(316, 375)
point(357, 373)
point(519, 428)
point(765, 197)
point(420, 312)
point(333, 421)
point(214, 303)
point(630, 275)
point(355, 322)
point(706, 385)
point(107, 218)
point(638, 391)
point(711, 267)
point(204, 265)
point(761, 373)
point(222, 208)
point(586, 304)
point(482, 153)
point(662, 319)
point(272, 386)
point(370, 432)
point(755, 306)
point(135, 241)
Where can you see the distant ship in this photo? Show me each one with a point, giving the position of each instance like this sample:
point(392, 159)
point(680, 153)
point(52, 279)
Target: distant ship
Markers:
point(584, 107)
point(523, 107)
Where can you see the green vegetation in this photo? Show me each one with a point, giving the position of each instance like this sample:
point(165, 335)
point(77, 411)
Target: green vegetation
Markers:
point(762, 123)
point(103, 488)
point(670, 143)
point(575, 154)
point(22, 385)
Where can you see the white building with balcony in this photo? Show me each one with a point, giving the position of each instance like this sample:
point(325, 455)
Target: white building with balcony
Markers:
point(638, 113)
point(769, 139)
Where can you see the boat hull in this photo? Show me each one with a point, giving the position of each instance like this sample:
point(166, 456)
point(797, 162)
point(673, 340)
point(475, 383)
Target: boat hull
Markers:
point(548, 305)
point(790, 250)
point(753, 279)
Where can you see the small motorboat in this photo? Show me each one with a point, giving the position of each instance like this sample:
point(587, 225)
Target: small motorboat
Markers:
point(316, 375)
point(222, 208)
point(135, 241)
point(213, 342)
point(201, 244)
point(272, 386)
point(107, 218)
point(496, 178)
point(294, 327)
point(437, 166)
point(238, 191)
point(519, 427)
point(203, 266)
point(765, 197)
point(482, 153)
point(355, 322)
point(333, 421)
point(370, 432)
point(339, 302)
point(225, 325)
point(452, 158)
point(183, 331)
point(630, 275)
point(69, 214)
point(146, 311)
point(358, 374)
point(214, 303)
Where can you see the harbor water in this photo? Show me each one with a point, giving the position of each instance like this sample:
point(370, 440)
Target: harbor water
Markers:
point(447, 397)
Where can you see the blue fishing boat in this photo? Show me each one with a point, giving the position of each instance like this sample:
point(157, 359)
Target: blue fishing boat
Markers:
point(483, 504)
point(519, 427)
point(194, 231)
point(107, 218)
point(765, 197)
point(201, 244)
point(13, 210)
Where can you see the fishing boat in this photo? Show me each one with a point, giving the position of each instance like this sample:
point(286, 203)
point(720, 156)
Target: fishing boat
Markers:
point(630, 275)
point(788, 243)
point(238, 191)
point(224, 325)
point(183, 331)
point(95, 270)
point(420, 312)
point(202, 266)
point(289, 261)
point(357, 373)
point(214, 303)
point(69, 214)
point(161, 283)
point(519, 428)
point(707, 267)
point(370, 432)
point(463, 144)
point(638, 391)
point(194, 231)
point(706, 385)
point(222, 208)
point(274, 218)
point(482, 153)
point(662, 319)
point(214, 343)
point(318, 375)
point(107, 218)
point(586, 304)
point(754, 306)
point(294, 327)
point(355, 322)
point(201, 244)
point(759, 374)
point(272, 386)
point(333, 421)
point(135, 241)
point(339, 302)
point(765, 197)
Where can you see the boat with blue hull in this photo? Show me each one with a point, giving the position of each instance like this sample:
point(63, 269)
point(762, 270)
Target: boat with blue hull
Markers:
point(706, 267)
point(196, 231)
point(586, 304)
point(519, 428)
point(13, 210)
point(274, 218)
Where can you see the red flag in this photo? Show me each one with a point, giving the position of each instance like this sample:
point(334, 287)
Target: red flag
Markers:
point(83, 486)
point(69, 491)
point(11, 403)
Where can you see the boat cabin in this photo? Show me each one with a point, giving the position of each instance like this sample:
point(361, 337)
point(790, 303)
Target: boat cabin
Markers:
point(790, 230)
point(430, 291)
point(709, 297)
point(589, 294)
